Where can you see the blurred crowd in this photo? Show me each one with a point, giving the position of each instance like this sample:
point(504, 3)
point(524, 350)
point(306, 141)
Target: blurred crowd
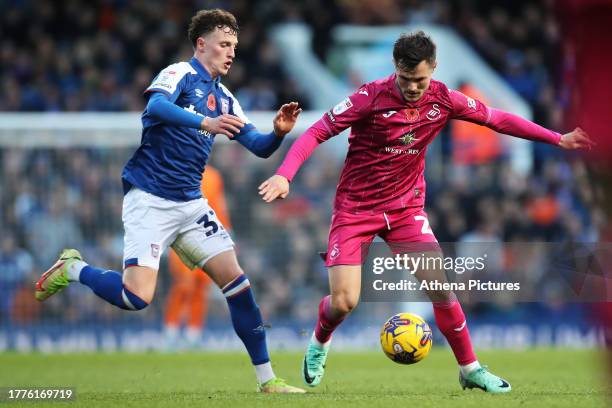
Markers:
point(78, 56)
point(82, 56)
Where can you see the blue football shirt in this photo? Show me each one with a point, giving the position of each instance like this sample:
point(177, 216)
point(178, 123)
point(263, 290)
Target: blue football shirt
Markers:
point(170, 159)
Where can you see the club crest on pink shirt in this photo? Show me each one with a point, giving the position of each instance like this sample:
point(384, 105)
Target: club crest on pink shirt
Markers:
point(434, 112)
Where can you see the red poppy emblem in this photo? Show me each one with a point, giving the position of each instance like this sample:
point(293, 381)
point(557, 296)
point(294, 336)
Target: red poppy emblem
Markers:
point(412, 115)
point(212, 102)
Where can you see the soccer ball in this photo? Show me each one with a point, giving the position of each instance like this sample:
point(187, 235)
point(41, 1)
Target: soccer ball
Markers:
point(406, 338)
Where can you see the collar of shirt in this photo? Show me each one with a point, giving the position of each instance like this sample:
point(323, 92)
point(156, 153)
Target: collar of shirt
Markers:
point(202, 71)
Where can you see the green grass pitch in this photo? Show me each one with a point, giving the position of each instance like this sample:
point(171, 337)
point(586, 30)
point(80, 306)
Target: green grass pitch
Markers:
point(540, 378)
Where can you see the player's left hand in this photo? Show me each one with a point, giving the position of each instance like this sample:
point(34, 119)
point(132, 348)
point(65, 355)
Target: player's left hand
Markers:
point(576, 139)
point(274, 187)
point(285, 118)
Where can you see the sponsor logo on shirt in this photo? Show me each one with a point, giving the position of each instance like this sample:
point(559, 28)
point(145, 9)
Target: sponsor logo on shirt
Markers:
point(434, 112)
point(211, 103)
point(342, 107)
point(199, 93)
point(408, 138)
point(191, 109)
point(389, 114)
point(364, 92)
point(395, 150)
point(331, 116)
point(412, 115)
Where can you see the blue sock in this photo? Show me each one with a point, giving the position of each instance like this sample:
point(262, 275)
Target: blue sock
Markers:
point(109, 286)
point(246, 319)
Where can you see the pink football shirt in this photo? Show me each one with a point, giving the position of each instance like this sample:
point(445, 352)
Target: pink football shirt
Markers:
point(385, 163)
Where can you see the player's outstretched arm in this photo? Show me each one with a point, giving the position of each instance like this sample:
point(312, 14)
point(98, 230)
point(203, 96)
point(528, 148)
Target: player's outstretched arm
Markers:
point(471, 110)
point(274, 187)
point(263, 145)
point(341, 117)
point(576, 139)
point(278, 185)
point(508, 123)
point(285, 118)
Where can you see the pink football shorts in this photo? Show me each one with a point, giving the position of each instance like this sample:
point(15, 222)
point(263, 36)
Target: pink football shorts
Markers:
point(404, 230)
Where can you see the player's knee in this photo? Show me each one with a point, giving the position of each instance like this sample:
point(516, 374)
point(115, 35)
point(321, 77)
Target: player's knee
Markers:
point(344, 303)
point(132, 301)
point(139, 282)
point(223, 269)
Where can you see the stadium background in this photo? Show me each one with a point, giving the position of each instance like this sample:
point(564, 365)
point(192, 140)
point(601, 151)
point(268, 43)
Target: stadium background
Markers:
point(75, 57)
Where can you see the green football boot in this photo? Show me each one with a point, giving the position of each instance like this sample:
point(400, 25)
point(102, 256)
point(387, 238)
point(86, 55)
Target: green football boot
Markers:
point(278, 386)
point(314, 363)
point(483, 379)
point(56, 277)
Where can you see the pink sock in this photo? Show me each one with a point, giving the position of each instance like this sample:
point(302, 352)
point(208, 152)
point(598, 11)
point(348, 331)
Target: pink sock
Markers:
point(451, 322)
point(326, 324)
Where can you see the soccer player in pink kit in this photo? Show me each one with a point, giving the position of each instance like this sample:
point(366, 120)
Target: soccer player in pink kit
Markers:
point(382, 188)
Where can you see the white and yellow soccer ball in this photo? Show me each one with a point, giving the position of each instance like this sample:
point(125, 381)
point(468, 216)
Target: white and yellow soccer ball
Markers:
point(406, 338)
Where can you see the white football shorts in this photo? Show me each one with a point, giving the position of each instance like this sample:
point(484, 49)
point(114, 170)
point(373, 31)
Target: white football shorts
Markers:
point(152, 224)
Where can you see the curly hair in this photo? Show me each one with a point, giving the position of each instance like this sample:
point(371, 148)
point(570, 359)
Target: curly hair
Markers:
point(205, 21)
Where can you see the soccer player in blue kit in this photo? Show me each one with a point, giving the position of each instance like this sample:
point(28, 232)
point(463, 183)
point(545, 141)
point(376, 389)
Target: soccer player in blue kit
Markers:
point(163, 205)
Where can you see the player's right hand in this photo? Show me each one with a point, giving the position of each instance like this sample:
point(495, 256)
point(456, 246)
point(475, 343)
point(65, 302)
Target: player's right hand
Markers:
point(576, 139)
point(226, 124)
point(274, 187)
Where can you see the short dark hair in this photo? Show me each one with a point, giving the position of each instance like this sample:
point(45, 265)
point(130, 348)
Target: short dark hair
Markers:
point(410, 49)
point(205, 21)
